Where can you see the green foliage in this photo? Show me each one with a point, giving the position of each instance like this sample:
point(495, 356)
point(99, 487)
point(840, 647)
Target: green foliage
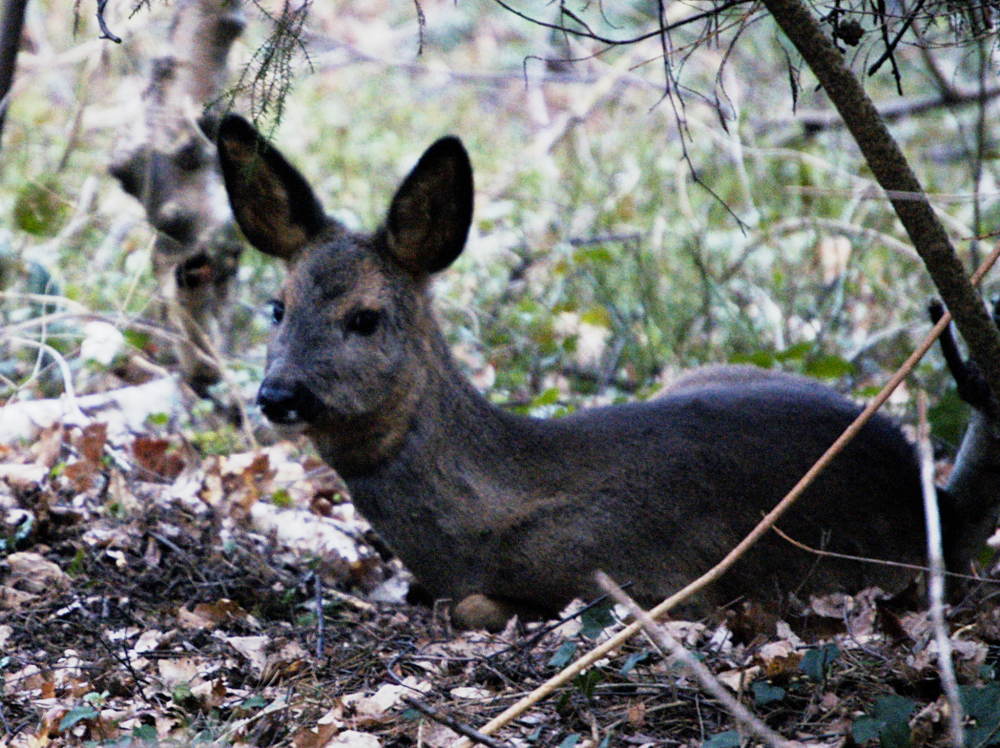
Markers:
point(597, 618)
point(38, 209)
point(564, 655)
point(281, 498)
point(982, 711)
point(632, 660)
point(816, 662)
point(888, 722)
point(948, 415)
point(77, 714)
point(587, 681)
point(727, 739)
point(764, 693)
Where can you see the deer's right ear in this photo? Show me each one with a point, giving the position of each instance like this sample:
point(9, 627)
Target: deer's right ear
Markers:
point(273, 204)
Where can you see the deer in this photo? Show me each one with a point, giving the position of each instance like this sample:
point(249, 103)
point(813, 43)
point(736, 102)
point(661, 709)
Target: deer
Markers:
point(502, 514)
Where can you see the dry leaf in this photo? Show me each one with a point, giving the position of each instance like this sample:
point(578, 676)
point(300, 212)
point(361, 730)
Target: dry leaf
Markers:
point(253, 648)
point(34, 573)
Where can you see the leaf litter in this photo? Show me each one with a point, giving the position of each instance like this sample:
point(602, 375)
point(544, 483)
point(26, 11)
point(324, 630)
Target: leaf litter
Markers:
point(150, 594)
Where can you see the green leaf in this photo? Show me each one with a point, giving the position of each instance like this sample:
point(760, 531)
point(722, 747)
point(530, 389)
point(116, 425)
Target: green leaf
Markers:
point(594, 255)
point(889, 722)
point(181, 692)
point(632, 660)
point(137, 338)
point(254, 702)
point(39, 210)
point(145, 733)
point(765, 693)
point(548, 397)
point(865, 729)
point(594, 620)
point(281, 498)
point(763, 359)
point(158, 419)
point(829, 367)
point(77, 564)
point(587, 681)
point(982, 709)
point(795, 352)
point(563, 655)
point(597, 316)
point(816, 662)
point(570, 741)
point(727, 739)
point(77, 714)
point(948, 416)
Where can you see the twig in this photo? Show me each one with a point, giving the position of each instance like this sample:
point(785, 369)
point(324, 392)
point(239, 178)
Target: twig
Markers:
point(894, 174)
point(67, 376)
point(587, 34)
point(890, 47)
point(571, 670)
point(11, 26)
point(866, 560)
point(106, 33)
point(320, 623)
point(666, 643)
point(935, 586)
point(461, 729)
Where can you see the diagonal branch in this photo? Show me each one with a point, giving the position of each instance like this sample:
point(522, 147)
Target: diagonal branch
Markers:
point(893, 173)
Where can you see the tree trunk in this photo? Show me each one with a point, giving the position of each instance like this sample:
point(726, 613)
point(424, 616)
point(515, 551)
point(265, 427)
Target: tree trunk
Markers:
point(11, 26)
point(170, 166)
point(893, 173)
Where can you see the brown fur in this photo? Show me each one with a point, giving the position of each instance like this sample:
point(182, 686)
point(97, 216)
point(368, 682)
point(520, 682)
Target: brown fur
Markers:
point(503, 514)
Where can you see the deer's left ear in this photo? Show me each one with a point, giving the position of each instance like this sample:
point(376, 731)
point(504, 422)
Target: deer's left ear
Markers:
point(430, 215)
point(273, 204)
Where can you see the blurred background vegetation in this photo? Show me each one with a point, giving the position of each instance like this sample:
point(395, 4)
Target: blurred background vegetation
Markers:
point(624, 231)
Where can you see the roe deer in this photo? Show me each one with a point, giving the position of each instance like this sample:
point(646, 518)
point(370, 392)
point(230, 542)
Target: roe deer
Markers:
point(504, 514)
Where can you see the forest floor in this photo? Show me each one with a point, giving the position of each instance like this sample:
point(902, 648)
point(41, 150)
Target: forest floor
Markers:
point(154, 595)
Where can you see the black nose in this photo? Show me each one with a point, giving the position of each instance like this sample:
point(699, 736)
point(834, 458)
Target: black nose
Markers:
point(286, 403)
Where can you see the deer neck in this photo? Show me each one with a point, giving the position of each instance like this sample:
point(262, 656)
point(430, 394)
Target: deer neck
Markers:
point(442, 445)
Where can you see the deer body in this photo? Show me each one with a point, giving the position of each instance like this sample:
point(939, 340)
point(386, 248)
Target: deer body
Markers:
point(505, 514)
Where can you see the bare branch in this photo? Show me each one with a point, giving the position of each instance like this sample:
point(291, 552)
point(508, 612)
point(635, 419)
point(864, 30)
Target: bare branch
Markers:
point(893, 173)
point(106, 33)
point(935, 583)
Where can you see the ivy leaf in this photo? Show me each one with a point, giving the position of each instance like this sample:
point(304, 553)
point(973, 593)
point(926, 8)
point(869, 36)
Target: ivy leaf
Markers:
point(816, 662)
point(889, 722)
point(632, 660)
point(765, 693)
point(563, 655)
point(77, 714)
point(727, 739)
point(982, 708)
point(594, 620)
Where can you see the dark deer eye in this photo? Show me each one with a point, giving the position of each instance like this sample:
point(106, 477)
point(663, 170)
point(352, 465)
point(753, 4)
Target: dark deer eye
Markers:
point(363, 321)
point(277, 311)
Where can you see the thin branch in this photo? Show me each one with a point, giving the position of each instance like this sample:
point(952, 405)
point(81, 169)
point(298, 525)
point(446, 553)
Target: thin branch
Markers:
point(866, 560)
point(667, 645)
point(460, 728)
point(621, 42)
point(935, 585)
point(893, 172)
point(890, 47)
point(106, 33)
